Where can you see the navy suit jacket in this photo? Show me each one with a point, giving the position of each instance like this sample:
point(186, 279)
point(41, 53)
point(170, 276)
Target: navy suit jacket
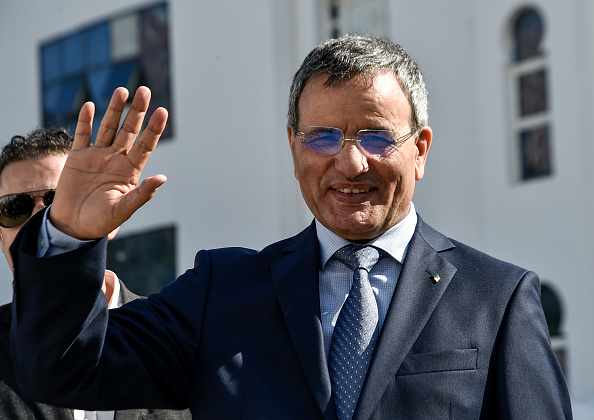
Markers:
point(239, 336)
point(14, 406)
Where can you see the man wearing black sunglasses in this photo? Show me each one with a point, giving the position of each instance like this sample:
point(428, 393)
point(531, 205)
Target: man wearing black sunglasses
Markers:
point(367, 313)
point(30, 167)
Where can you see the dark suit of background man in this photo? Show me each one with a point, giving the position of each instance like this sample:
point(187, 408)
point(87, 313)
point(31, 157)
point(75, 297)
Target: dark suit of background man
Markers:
point(30, 167)
point(248, 334)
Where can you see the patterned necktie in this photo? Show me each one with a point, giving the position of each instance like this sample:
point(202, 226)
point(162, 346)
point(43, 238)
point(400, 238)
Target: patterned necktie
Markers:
point(355, 333)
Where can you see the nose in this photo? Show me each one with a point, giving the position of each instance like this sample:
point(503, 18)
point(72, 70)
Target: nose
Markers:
point(350, 161)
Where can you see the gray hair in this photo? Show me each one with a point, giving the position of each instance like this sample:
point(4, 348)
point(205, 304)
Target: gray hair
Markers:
point(359, 55)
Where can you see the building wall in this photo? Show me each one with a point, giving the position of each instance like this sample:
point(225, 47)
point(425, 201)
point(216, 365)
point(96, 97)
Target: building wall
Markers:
point(232, 62)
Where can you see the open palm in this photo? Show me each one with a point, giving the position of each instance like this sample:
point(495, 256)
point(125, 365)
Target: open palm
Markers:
point(98, 189)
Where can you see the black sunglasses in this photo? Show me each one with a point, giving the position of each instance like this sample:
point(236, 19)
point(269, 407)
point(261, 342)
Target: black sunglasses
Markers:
point(17, 208)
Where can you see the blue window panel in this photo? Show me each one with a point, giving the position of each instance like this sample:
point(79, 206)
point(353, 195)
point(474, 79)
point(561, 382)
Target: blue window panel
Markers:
point(51, 99)
point(121, 75)
point(68, 123)
point(60, 106)
point(51, 58)
point(68, 95)
point(73, 58)
point(81, 66)
point(97, 40)
point(96, 82)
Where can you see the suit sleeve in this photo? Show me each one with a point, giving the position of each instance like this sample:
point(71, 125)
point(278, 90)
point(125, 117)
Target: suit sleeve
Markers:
point(529, 382)
point(69, 350)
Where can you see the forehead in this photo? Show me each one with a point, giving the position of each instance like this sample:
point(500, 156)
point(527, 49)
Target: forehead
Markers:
point(356, 103)
point(31, 175)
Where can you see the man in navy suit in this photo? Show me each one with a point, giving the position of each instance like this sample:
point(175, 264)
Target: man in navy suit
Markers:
point(433, 329)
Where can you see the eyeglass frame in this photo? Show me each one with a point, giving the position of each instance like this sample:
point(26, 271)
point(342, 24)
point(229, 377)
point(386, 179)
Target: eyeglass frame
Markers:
point(399, 141)
point(33, 197)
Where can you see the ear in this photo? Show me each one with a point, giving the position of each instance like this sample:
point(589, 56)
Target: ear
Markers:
point(291, 137)
point(423, 144)
point(113, 233)
point(291, 140)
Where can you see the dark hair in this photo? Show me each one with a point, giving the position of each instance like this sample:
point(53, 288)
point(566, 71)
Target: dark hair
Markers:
point(38, 143)
point(353, 55)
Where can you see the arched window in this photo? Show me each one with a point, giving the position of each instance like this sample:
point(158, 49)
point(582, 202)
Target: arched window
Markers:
point(530, 106)
point(528, 32)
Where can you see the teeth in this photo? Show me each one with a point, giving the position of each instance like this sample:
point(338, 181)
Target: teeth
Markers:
point(353, 190)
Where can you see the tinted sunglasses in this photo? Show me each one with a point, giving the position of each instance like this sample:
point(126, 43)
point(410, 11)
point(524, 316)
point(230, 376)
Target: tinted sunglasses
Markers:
point(372, 143)
point(17, 208)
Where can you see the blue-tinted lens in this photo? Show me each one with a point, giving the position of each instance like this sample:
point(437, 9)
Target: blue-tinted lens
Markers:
point(377, 142)
point(323, 140)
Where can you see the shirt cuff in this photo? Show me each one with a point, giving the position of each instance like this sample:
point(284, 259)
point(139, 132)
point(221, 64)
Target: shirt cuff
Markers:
point(52, 241)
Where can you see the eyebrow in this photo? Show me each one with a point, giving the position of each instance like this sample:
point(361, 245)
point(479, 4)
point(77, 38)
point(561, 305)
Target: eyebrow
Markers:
point(36, 191)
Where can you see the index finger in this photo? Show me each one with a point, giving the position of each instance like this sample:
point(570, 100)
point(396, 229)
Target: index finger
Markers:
point(146, 143)
point(84, 127)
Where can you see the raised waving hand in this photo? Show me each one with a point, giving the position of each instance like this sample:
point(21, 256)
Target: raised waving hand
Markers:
point(98, 189)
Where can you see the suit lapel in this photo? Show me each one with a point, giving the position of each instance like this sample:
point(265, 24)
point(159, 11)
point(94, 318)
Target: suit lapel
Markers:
point(415, 298)
point(296, 281)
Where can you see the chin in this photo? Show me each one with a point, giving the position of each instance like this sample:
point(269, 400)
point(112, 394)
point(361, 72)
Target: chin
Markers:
point(357, 231)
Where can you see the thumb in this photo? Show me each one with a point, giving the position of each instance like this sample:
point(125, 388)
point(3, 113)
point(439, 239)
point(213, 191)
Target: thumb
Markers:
point(146, 190)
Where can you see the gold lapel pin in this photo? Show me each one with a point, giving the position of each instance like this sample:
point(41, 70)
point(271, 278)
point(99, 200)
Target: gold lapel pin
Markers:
point(435, 277)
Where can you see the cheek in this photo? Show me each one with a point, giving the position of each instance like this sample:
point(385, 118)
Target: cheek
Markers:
point(310, 174)
point(399, 181)
point(306, 170)
point(7, 237)
point(306, 179)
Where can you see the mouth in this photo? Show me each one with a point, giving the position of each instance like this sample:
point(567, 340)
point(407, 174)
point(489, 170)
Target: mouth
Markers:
point(353, 190)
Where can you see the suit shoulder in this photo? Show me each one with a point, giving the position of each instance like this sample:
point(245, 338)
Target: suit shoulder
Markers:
point(462, 255)
point(479, 259)
point(485, 279)
point(271, 252)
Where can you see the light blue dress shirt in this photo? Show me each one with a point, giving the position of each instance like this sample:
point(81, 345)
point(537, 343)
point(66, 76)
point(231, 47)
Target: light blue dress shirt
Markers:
point(336, 278)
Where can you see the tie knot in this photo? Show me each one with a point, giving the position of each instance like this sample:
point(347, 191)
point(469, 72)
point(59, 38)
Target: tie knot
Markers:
point(358, 256)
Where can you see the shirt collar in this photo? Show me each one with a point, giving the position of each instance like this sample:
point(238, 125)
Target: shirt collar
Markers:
point(115, 301)
point(394, 241)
